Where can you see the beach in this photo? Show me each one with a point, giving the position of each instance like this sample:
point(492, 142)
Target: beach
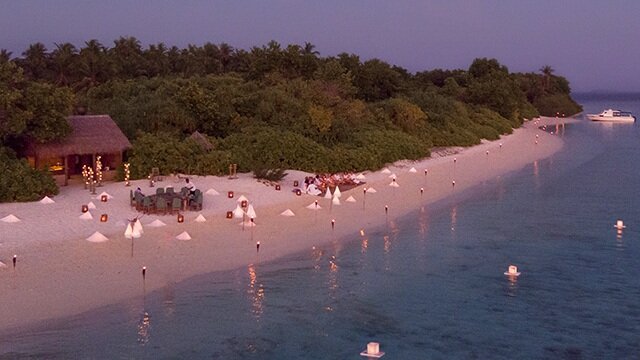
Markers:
point(59, 273)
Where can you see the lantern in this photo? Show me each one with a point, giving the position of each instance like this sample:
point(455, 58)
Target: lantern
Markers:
point(180, 218)
point(104, 217)
point(244, 204)
point(230, 194)
point(85, 208)
point(103, 198)
point(229, 214)
point(296, 183)
point(298, 192)
point(278, 187)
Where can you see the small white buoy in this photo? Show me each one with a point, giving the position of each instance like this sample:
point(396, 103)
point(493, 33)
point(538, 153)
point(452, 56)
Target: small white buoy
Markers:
point(512, 271)
point(619, 225)
point(373, 350)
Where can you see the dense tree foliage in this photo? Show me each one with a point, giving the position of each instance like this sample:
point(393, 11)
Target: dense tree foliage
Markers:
point(272, 106)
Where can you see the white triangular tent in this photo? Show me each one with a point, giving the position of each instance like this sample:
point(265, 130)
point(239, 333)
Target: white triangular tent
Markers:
point(91, 205)
point(371, 190)
point(393, 176)
point(238, 212)
point(386, 171)
point(287, 212)
point(212, 192)
point(184, 236)
point(413, 170)
point(10, 219)
point(242, 198)
point(394, 184)
point(351, 199)
point(337, 193)
point(156, 223)
point(335, 201)
point(314, 206)
point(327, 194)
point(104, 193)
point(137, 227)
point(2, 265)
point(360, 176)
point(251, 212)
point(200, 218)
point(46, 200)
point(86, 216)
point(97, 237)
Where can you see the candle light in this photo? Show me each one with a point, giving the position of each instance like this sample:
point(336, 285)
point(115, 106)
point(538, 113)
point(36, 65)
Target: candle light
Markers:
point(296, 183)
point(298, 192)
point(180, 218)
point(85, 208)
point(230, 194)
point(103, 198)
point(244, 203)
point(104, 217)
point(229, 214)
point(278, 187)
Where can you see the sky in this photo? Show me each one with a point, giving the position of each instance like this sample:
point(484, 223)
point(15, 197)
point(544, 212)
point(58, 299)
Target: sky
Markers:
point(594, 44)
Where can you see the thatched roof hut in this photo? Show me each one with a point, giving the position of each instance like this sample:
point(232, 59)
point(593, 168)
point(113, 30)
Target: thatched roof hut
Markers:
point(201, 140)
point(91, 135)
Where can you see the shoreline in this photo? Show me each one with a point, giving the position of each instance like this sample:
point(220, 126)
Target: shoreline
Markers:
point(56, 263)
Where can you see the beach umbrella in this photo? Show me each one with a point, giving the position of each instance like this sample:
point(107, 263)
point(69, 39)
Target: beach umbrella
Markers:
point(212, 192)
point(91, 205)
point(337, 193)
point(394, 184)
point(251, 213)
point(200, 218)
point(184, 236)
point(386, 171)
point(413, 170)
point(10, 219)
point(97, 237)
point(238, 212)
point(327, 195)
point(314, 206)
point(156, 223)
point(287, 212)
point(350, 199)
point(86, 216)
point(46, 200)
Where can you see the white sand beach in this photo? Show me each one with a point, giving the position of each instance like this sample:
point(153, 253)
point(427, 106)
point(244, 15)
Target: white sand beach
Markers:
point(60, 273)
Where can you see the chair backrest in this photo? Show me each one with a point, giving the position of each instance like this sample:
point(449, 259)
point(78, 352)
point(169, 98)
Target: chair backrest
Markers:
point(197, 192)
point(146, 201)
point(131, 195)
point(161, 203)
point(169, 190)
point(176, 203)
point(159, 191)
point(184, 191)
point(139, 197)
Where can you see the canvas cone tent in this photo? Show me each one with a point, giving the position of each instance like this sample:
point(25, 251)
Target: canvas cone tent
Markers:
point(212, 192)
point(360, 176)
point(91, 205)
point(104, 193)
point(413, 170)
point(337, 192)
point(327, 195)
point(131, 231)
point(86, 216)
point(335, 200)
point(251, 212)
point(2, 265)
point(242, 198)
point(156, 223)
point(184, 236)
point(238, 212)
point(393, 176)
point(287, 212)
point(97, 237)
point(350, 199)
point(386, 171)
point(371, 190)
point(314, 206)
point(394, 184)
point(46, 200)
point(137, 227)
point(10, 219)
point(200, 218)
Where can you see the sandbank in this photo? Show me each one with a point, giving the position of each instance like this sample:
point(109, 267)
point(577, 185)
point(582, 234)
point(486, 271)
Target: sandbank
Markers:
point(59, 273)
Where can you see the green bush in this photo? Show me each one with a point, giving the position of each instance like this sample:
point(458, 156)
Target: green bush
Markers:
point(549, 105)
point(20, 182)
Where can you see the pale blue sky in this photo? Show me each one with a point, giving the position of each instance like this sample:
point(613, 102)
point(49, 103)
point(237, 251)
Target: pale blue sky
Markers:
point(592, 43)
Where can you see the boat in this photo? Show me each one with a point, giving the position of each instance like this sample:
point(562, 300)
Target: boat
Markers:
point(612, 115)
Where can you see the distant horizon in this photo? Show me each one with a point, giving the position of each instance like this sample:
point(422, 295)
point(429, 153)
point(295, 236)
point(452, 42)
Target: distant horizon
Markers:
point(412, 34)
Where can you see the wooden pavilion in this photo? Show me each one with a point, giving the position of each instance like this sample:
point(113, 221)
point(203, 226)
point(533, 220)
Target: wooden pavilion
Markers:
point(91, 135)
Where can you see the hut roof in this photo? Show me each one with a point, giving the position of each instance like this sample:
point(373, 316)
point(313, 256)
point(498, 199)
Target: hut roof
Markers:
point(201, 140)
point(90, 134)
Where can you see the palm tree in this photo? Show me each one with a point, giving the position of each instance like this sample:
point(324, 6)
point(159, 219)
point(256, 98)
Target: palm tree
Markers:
point(547, 72)
point(5, 56)
point(127, 57)
point(309, 49)
point(157, 60)
point(63, 60)
point(226, 52)
point(36, 61)
point(93, 64)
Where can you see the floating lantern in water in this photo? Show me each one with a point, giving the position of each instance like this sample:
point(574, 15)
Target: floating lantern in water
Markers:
point(104, 218)
point(619, 225)
point(512, 271)
point(230, 194)
point(373, 350)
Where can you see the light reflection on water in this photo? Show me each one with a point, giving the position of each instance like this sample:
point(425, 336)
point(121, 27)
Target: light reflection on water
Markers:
point(408, 286)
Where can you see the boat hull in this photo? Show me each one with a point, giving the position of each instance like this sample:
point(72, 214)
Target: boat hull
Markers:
point(620, 119)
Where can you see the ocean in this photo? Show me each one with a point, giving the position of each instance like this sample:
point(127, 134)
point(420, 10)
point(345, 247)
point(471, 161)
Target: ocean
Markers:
point(429, 285)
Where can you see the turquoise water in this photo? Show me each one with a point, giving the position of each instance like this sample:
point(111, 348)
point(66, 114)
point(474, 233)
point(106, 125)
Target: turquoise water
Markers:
point(429, 285)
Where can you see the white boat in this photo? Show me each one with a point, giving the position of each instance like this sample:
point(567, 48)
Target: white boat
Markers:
point(612, 115)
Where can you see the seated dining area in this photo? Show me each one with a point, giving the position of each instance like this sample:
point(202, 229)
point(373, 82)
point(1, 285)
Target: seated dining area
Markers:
point(167, 201)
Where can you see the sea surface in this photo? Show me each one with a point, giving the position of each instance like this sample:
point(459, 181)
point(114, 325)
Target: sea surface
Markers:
point(429, 285)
